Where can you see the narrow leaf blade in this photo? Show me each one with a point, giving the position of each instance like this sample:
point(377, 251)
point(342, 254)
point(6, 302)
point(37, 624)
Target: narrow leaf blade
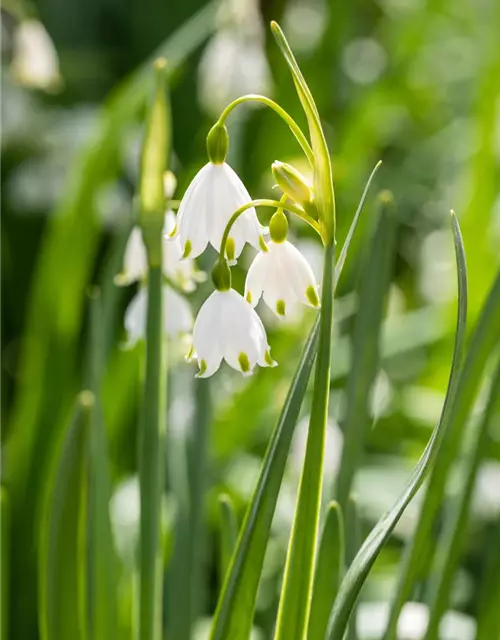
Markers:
point(379, 535)
point(229, 532)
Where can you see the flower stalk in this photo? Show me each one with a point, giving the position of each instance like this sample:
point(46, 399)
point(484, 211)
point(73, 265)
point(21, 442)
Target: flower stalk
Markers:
point(152, 425)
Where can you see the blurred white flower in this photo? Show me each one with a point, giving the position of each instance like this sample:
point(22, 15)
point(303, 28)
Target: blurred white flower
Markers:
point(232, 65)
point(35, 62)
point(283, 276)
point(210, 200)
point(177, 315)
point(135, 267)
point(227, 327)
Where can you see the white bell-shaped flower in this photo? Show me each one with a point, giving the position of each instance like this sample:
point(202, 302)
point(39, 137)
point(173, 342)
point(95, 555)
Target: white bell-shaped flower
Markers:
point(215, 193)
point(35, 62)
point(177, 315)
point(228, 328)
point(135, 266)
point(283, 277)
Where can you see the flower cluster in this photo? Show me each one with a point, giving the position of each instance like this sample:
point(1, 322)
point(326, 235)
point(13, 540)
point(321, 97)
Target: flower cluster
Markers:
point(217, 209)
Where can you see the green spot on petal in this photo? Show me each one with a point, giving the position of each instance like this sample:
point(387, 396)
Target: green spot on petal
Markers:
point(281, 308)
point(312, 296)
point(230, 248)
point(268, 359)
point(190, 353)
point(244, 362)
point(203, 367)
point(263, 245)
point(173, 232)
point(249, 297)
point(187, 249)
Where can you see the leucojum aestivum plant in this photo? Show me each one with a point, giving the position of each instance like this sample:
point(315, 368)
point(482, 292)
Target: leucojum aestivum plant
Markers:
point(318, 591)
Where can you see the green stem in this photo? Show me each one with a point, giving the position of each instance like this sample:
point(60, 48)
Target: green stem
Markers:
point(265, 203)
point(294, 127)
point(293, 613)
point(150, 466)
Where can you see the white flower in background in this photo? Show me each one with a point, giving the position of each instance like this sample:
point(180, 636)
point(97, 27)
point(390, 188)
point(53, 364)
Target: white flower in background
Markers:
point(135, 266)
point(177, 315)
point(283, 277)
point(35, 62)
point(228, 328)
point(233, 64)
point(210, 200)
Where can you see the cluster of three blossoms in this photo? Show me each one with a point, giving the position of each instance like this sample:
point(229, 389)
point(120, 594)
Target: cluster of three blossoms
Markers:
point(218, 209)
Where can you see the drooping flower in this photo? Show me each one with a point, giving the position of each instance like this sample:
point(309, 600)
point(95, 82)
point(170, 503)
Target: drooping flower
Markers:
point(215, 193)
point(177, 315)
point(283, 277)
point(35, 62)
point(228, 328)
point(135, 267)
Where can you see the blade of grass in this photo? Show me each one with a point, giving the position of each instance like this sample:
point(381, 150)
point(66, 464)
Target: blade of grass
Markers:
point(483, 342)
point(488, 615)
point(328, 573)
point(228, 531)
point(234, 613)
point(62, 545)
point(296, 592)
point(375, 282)
point(353, 544)
point(102, 580)
point(5, 560)
point(379, 535)
point(453, 537)
point(49, 352)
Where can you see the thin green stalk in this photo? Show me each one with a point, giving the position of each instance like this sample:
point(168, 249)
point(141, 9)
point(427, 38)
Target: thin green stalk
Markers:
point(453, 537)
point(150, 466)
point(5, 562)
point(294, 607)
point(483, 342)
point(329, 571)
point(353, 543)
point(286, 117)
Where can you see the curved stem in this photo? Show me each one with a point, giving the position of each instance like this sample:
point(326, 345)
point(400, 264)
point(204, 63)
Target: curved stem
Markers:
point(294, 127)
point(265, 203)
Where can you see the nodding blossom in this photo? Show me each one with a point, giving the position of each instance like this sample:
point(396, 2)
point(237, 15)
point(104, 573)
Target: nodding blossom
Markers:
point(228, 328)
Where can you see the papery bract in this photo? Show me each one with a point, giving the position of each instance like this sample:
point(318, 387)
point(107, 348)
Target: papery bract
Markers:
point(228, 328)
point(215, 193)
point(283, 277)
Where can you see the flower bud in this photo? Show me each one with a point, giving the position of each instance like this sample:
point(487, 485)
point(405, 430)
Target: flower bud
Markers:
point(217, 143)
point(278, 226)
point(221, 275)
point(291, 182)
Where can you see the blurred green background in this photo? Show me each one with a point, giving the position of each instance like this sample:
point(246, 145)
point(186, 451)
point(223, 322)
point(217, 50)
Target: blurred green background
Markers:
point(412, 82)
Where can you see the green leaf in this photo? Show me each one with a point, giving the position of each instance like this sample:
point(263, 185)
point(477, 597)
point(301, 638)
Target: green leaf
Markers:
point(375, 280)
point(296, 592)
point(323, 179)
point(353, 543)
point(62, 554)
point(483, 342)
point(329, 571)
point(379, 535)
point(229, 532)
point(450, 545)
point(5, 562)
point(488, 615)
point(102, 567)
point(234, 613)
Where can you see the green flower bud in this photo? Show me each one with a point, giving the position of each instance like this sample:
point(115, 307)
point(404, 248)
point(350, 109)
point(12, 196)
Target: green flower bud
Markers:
point(278, 226)
point(221, 275)
point(291, 182)
point(217, 143)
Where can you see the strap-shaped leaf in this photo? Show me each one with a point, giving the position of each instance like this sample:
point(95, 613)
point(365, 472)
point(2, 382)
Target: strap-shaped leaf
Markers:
point(455, 528)
point(328, 573)
point(234, 613)
point(62, 559)
point(379, 535)
point(488, 615)
point(228, 532)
